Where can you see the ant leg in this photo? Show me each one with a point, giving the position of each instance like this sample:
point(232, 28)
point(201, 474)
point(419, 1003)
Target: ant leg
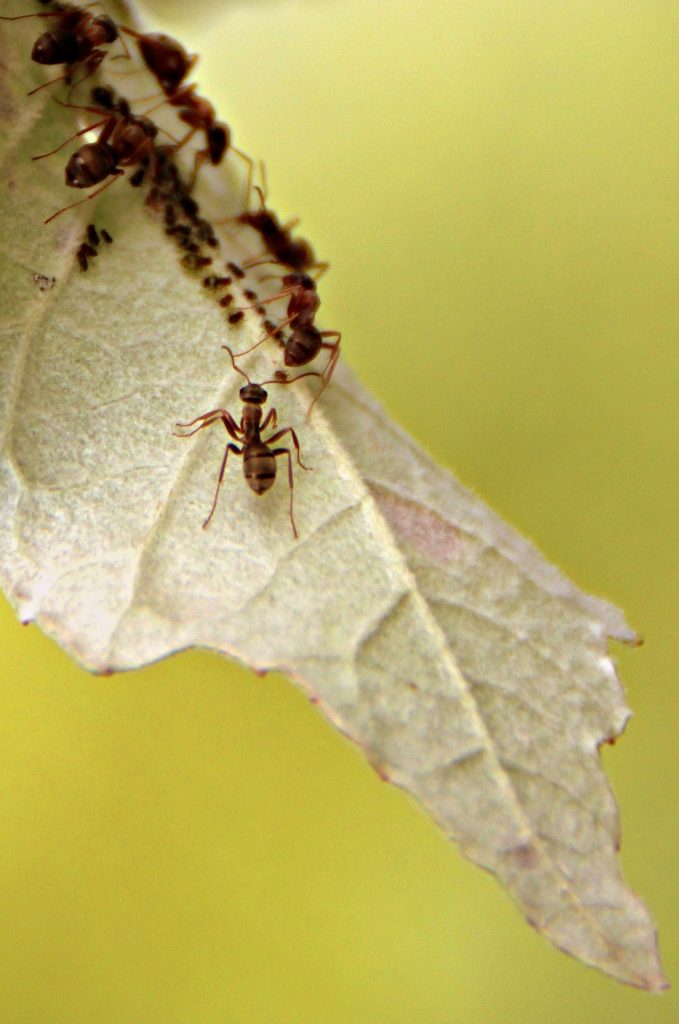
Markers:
point(52, 81)
point(264, 190)
point(281, 433)
point(83, 131)
point(291, 380)
point(199, 159)
point(251, 170)
point(335, 347)
point(114, 177)
point(259, 260)
point(270, 420)
point(326, 376)
point(92, 62)
point(187, 138)
point(121, 56)
point(253, 347)
point(207, 422)
point(211, 417)
point(229, 448)
point(40, 14)
point(235, 365)
point(270, 334)
point(272, 298)
point(320, 269)
point(291, 485)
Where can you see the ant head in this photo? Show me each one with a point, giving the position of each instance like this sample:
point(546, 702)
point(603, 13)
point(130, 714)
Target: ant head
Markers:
point(253, 394)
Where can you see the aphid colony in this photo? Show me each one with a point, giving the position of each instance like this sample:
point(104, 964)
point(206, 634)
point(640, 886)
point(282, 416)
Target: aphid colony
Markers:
point(127, 143)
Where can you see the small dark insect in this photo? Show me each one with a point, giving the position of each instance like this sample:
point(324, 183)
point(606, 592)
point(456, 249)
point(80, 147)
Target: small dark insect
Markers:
point(259, 458)
point(305, 340)
point(84, 253)
point(195, 262)
point(75, 39)
point(214, 281)
point(89, 248)
point(125, 139)
point(166, 59)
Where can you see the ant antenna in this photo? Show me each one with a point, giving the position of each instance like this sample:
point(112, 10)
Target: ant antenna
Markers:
point(235, 365)
point(291, 380)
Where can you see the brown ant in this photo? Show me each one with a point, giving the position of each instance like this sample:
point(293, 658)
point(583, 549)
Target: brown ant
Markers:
point(165, 58)
point(125, 139)
point(305, 340)
point(199, 114)
point(75, 40)
point(169, 63)
point(281, 247)
point(259, 458)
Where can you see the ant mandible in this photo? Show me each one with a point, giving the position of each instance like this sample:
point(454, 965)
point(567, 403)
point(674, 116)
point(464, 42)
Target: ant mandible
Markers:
point(74, 40)
point(124, 140)
point(259, 458)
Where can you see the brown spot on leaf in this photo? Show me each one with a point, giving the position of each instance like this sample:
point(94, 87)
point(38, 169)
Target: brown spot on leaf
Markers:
point(525, 856)
point(426, 531)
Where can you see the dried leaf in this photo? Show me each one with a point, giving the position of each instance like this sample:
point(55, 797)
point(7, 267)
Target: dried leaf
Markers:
point(469, 670)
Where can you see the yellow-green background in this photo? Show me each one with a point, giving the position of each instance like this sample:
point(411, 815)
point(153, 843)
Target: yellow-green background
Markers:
point(494, 183)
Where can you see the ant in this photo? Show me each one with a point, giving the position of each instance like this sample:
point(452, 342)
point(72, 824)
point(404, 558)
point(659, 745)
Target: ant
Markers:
point(305, 341)
point(125, 139)
point(294, 253)
point(75, 40)
point(165, 58)
point(169, 63)
point(199, 114)
point(259, 458)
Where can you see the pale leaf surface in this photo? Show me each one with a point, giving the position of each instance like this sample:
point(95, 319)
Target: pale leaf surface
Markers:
point(469, 670)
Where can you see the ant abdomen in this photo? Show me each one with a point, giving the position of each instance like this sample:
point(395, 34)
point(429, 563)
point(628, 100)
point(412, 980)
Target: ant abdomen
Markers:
point(302, 346)
point(89, 165)
point(55, 48)
point(165, 58)
point(259, 467)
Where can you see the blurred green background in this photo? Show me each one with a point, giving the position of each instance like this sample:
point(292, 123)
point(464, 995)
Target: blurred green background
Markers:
point(495, 185)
